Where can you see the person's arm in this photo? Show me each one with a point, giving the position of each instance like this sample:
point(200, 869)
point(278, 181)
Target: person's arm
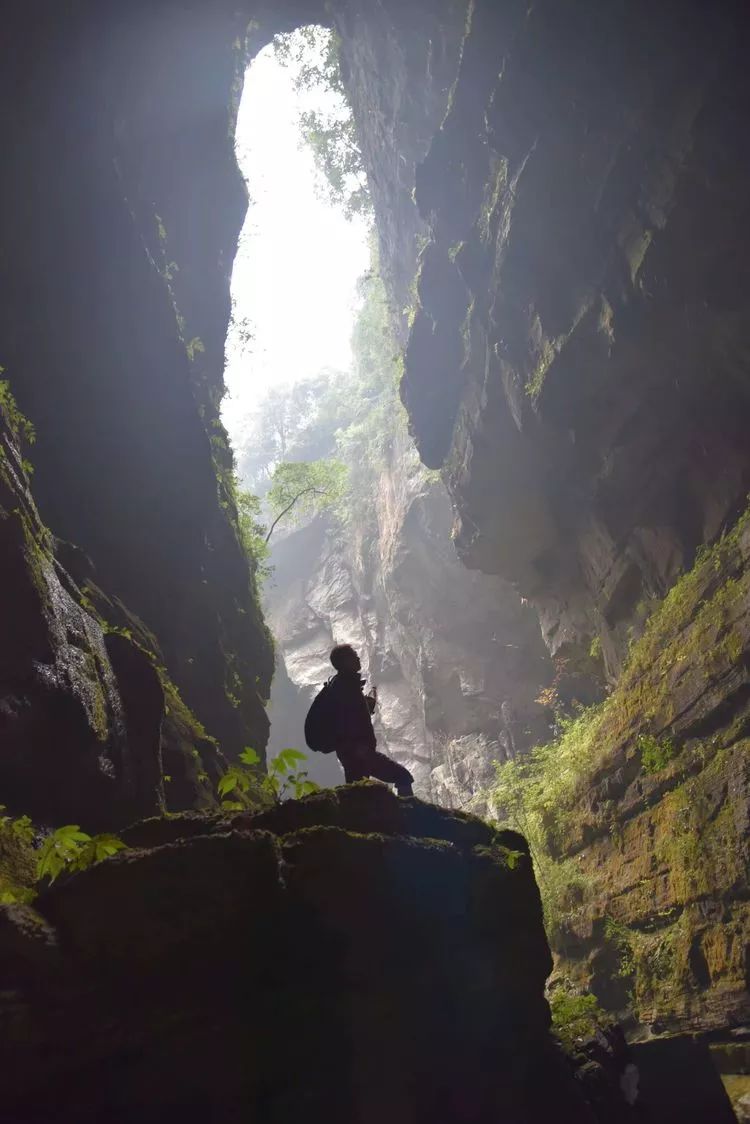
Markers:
point(372, 700)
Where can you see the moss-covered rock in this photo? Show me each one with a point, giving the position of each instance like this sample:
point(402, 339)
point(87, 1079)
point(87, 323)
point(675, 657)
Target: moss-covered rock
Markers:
point(644, 807)
point(351, 956)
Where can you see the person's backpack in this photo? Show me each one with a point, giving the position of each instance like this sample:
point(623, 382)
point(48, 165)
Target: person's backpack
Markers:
point(320, 731)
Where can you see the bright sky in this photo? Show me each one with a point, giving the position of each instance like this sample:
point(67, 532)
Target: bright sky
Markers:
point(298, 258)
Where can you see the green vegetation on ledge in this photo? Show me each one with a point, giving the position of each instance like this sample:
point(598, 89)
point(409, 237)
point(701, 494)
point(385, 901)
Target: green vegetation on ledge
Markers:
point(692, 634)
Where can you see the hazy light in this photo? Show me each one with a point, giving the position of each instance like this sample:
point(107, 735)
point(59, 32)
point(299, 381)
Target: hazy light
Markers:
point(298, 258)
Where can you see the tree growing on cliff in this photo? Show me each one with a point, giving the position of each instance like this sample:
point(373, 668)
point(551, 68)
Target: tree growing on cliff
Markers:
point(328, 125)
point(302, 489)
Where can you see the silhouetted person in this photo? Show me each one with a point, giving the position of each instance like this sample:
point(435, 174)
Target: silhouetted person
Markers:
point(351, 726)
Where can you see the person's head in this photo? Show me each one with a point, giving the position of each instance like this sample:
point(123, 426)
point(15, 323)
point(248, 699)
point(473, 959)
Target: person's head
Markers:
point(344, 658)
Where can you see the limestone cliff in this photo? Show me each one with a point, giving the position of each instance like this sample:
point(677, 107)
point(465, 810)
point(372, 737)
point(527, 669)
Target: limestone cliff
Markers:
point(657, 827)
point(577, 366)
point(120, 210)
point(457, 660)
point(578, 357)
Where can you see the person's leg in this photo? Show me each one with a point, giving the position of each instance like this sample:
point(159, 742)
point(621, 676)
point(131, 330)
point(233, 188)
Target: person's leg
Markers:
point(355, 768)
point(386, 769)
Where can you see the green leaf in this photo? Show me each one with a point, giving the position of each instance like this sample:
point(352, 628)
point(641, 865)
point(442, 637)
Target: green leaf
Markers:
point(287, 759)
point(249, 756)
point(228, 783)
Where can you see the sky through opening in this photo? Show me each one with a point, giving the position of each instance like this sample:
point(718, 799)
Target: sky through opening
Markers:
point(298, 258)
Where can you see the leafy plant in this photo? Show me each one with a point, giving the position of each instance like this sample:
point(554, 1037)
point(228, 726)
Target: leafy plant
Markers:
point(304, 488)
point(70, 849)
point(576, 1017)
point(244, 788)
point(656, 754)
point(21, 828)
point(252, 531)
point(195, 347)
point(18, 422)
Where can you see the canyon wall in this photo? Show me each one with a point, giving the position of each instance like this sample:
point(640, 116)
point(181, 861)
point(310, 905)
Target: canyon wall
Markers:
point(457, 659)
point(577, 366)
point(121, 207)
point(568, 184)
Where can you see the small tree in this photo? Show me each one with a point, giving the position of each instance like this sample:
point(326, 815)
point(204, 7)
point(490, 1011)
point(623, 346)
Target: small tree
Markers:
point(303, 489)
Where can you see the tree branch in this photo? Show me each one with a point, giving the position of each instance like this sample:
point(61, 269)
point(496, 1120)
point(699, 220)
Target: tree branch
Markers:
point(305, 492)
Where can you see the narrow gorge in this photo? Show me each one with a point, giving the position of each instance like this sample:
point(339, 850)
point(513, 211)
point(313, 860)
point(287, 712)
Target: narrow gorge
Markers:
point(524, 502)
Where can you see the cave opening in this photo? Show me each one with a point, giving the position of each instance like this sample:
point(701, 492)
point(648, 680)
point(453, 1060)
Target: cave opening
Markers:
point(296, 289)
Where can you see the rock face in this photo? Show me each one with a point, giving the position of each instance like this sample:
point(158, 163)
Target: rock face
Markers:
point(579, 356)
point(577, 364)
point(457, 660)
point(67, 719)
point(285, 966)
point(118, 221)
point(658, 827)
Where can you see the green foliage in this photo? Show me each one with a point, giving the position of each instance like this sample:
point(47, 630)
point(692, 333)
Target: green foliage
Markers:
point(252, 531)
point(21, 828)
point(305, 488)
point(70, 849)
point(328, 126)
point(17, 865)
point(195, 347)
point(525, 797)
point(656, 754)
point(66, 849)
point(576, 1017)
point(19, 425)
point(243, 787)
point(353, 419)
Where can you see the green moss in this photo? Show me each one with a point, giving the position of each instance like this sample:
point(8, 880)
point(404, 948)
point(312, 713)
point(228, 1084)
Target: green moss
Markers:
point(656, 961)
point(656, 753)
point(576, 1017)
point(540, 795)
point(19, 425)
point(698, 843)
point(17, 859)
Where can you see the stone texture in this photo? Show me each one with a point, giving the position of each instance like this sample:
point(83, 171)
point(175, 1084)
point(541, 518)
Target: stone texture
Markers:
point(287, 966)
point(118, 219)
point(664, 854)
point(79, 736)
point(578, 357)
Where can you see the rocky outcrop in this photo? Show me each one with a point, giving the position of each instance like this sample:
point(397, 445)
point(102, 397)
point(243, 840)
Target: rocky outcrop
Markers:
point(578, 359)
point(287, 965)
point(654, 836)
point(79, 722)
point(417, 45)
point(457, 660)
point(577, 368)
point(119, 216)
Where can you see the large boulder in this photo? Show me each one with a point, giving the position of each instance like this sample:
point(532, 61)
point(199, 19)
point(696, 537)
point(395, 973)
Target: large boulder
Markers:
point(348, 957)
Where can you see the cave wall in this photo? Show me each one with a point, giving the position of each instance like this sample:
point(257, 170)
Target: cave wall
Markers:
point(457, 659)
point(578, 361)
point(657, 836)
point(119, 215)
point(577, 366)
